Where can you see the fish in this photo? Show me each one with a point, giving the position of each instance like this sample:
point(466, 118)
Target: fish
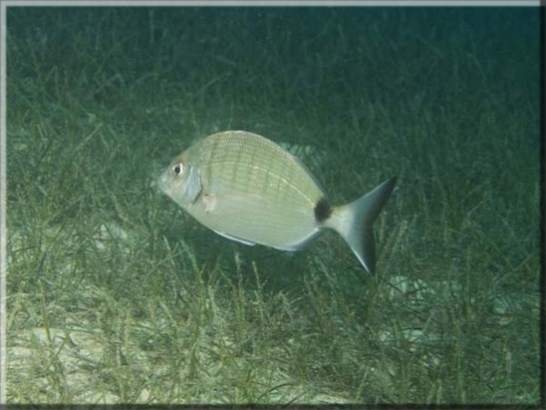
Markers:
point(249, 189)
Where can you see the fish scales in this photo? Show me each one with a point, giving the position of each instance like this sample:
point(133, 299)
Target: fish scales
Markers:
point(258, 166)
point(263, 193)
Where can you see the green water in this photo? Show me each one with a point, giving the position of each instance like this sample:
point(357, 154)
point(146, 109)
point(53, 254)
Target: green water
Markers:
point(115, 295)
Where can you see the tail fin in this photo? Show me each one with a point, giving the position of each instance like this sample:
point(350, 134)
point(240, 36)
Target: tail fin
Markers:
point(354, 222)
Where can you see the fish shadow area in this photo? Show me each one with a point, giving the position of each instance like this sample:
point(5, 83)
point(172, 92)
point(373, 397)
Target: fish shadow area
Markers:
point(222, 262)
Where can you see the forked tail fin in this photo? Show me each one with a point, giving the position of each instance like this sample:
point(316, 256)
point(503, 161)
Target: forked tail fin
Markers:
point(354, 221)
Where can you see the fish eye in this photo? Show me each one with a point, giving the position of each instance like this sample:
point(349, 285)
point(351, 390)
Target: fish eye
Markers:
point(178, 169)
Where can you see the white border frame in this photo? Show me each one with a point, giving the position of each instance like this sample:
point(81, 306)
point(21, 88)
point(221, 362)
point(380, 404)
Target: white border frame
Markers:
point(148, 3)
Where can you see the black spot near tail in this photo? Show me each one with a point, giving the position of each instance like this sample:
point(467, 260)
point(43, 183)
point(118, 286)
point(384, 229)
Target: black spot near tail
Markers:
point(323, 210)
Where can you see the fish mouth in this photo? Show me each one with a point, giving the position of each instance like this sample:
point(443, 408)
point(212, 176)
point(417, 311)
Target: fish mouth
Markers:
point(162, 182)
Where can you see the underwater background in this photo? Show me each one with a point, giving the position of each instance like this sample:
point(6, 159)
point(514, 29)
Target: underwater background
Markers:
point(114, 294)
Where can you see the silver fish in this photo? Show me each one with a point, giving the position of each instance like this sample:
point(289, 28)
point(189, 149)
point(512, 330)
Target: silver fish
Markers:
point(249, 189)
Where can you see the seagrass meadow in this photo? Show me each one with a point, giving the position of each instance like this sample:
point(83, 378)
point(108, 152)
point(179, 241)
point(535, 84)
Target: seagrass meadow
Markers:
point(116, 295)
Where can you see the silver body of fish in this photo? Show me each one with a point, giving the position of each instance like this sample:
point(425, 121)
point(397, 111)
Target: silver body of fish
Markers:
point(249, 189)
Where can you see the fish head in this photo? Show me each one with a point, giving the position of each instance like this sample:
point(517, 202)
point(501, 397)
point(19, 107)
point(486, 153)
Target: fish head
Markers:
point(181, 181)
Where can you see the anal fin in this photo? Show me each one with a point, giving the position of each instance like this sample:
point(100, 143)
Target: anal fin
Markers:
point(234, 238)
